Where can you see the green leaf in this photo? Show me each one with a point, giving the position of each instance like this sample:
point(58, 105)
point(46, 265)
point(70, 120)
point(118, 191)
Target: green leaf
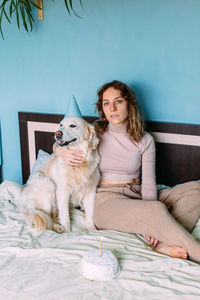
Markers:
point(33, 4)
point(11, 10)
point(5, 14)
point(17, 16)
point(14, 4)
point(1, 15)
point(23, 17)
point(30, 18)
point(66, 4)
point(70, 6)
point(3, 3)
point(1, 33)
point(26, 4)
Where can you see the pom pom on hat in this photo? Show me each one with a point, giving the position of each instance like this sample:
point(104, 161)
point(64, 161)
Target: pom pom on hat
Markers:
point(73, 109)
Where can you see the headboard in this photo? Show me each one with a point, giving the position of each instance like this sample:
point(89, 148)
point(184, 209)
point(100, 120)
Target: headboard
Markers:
point(177, 145)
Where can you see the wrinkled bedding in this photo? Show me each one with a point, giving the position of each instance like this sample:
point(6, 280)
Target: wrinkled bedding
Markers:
point(46, 266)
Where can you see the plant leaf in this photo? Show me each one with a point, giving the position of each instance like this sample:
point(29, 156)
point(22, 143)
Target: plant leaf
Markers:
point(71, 4)
point(33, 4)
point(5, 14)
point(73, 10)
point(26, 4)
point(23, 17)
point(30, 18)
point(66, 4)
point(14, 4)
point(17, 16)
point(23, 9)
point(3, 3)
point(1, 15)
point(11, 10)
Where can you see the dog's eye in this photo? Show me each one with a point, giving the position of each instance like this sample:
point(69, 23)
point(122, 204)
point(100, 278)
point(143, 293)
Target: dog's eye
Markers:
point(61, 125)
point(72, 126)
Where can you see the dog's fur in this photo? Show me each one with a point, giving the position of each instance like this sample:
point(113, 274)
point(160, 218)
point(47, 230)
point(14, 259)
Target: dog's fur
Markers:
point(50, 191)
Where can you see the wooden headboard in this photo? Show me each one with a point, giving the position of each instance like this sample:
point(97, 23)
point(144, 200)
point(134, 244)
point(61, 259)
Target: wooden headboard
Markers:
point(177, 145)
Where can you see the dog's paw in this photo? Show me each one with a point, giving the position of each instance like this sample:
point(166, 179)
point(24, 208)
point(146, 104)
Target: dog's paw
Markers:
point(58, 228)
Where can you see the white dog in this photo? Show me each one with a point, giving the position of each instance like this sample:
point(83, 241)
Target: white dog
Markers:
point(57, 184)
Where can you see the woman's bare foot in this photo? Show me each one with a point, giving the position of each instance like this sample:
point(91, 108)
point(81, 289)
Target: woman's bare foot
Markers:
point(172, 250)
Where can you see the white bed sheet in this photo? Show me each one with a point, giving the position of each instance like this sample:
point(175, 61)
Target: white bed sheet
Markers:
point(46, 266)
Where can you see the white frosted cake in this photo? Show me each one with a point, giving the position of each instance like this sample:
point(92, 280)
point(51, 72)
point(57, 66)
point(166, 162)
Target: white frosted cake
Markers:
point(96, 267)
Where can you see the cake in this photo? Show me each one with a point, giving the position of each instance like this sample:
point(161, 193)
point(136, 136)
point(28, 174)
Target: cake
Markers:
point(96, 267)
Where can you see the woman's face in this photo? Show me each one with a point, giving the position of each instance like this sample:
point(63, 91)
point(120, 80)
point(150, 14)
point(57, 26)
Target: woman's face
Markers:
point(115, 107)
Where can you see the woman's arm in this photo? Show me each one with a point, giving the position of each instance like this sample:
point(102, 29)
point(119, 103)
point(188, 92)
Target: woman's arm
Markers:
point(149, 189)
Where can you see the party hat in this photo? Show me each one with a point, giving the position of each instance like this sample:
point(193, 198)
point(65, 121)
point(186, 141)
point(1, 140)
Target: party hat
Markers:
point(73, 109)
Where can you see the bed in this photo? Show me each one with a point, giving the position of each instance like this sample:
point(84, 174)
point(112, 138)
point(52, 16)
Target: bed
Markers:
point(46, 266)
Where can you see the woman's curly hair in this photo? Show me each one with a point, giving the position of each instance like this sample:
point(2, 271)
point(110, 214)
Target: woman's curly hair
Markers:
point(135, 124)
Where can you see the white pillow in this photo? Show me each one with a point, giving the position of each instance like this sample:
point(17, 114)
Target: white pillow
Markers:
point(42, 158)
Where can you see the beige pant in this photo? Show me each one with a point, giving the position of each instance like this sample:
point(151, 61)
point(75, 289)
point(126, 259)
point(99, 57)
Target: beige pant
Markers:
point(120, 207)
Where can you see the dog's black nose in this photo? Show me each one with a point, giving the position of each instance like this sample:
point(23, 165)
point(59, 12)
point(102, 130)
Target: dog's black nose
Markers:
point(59, 134)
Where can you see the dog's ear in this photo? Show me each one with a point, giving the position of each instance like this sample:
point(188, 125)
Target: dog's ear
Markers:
point(91, 136)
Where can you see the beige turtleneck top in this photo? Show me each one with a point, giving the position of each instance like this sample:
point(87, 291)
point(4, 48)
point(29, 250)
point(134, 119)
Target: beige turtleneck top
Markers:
point(123, 159)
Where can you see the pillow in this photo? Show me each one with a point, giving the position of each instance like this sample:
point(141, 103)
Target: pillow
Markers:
point(161, 187)
point(42, 158)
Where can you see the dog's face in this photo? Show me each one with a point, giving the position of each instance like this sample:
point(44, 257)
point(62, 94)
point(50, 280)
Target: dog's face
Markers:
point(74, 130)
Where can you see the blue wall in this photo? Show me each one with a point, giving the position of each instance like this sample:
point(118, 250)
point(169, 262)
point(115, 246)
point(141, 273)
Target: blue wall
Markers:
point(152, 45)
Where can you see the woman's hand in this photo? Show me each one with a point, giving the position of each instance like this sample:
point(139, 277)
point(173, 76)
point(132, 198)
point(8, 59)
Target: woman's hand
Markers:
point(153, 242)
point(73, 157)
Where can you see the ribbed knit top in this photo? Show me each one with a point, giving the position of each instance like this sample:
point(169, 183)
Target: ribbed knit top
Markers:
point(123, 159)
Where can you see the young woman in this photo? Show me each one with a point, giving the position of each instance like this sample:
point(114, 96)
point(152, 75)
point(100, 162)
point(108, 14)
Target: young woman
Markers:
point(126, 198)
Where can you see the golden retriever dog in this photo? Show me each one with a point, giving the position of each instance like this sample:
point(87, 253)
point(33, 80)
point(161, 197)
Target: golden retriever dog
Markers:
point(49, 193)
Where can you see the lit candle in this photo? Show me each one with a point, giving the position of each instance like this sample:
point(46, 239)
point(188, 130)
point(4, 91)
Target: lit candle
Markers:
point(101, 245)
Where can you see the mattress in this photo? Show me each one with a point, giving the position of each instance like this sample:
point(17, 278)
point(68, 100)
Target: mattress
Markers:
point(46, 266)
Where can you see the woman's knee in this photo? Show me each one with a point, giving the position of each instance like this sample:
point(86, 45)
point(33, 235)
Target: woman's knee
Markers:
point(190, 186)
point(192, 190)
point(195, 185)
